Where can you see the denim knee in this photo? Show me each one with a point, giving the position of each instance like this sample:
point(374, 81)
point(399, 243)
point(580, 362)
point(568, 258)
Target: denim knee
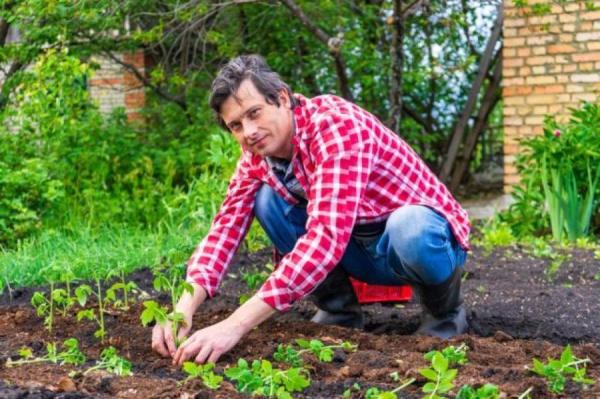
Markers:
point(424, 247)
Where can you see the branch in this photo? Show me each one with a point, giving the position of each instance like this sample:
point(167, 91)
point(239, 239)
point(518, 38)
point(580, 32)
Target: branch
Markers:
point(333, 44)
point(146, 82)
point(413, 7)
point(397, 58)
point(484, 66)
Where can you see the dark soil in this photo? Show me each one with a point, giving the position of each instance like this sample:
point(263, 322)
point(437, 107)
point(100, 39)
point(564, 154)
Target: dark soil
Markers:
point(515, 311)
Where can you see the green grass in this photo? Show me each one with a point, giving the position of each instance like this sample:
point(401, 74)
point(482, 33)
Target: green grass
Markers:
point(87, 251)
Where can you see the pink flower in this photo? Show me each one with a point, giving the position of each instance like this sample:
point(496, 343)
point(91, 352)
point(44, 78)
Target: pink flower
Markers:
point(557, 133)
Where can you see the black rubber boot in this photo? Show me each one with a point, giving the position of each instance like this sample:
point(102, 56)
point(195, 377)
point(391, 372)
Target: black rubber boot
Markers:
point(443, 315)
point(337, 302)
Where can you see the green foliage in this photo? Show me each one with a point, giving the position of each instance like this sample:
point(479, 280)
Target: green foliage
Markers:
point(454, 355)
point(71, 355)
point(254, 280)
point(288, 354)
point(486, 391)
point(556, 371)
point(559, 177)
point(439, 377)
point(111, 362)
point(83, 293)
point(495, 233)
point(153, 312)
point(125, 287)
point(204, 372)
point(265, 380)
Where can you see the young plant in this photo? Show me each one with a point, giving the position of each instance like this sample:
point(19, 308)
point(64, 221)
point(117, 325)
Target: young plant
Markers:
point(126, 288)
point(71, 355)
point(323, 352)
point(173, 283)
point(439, 377)
point(263, 379)
point(454, 355)
point(204, 372)
point(111, 362)
point(83, 293)
point(58, 299)
point(487, 391)
point(556, 371)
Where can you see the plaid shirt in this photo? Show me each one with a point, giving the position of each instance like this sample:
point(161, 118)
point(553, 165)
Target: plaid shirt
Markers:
point(354, 171)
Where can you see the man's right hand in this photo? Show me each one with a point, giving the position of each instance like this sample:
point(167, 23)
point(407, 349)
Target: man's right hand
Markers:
point(163, 340)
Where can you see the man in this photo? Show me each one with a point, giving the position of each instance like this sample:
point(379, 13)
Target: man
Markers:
point(338, 194)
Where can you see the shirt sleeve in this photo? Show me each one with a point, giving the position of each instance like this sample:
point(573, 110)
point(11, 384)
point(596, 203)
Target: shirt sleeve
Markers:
point(343, 161)
point(229, 227)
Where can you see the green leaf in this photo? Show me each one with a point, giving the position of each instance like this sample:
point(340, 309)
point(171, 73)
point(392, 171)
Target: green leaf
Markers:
point(439, 363)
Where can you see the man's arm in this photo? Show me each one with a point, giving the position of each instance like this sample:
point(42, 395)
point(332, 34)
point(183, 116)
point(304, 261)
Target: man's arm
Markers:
point(208, 344)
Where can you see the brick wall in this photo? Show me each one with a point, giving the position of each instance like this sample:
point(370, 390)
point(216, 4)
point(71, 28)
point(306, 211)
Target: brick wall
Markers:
point(114, 86)
point(550, 63)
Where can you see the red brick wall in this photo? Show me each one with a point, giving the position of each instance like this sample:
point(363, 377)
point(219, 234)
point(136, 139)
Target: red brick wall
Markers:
point(550, 63)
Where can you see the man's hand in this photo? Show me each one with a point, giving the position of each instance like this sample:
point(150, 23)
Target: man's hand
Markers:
point(208, 344)
point(163, 341)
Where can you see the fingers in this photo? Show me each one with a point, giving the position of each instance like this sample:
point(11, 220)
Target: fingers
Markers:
point(169, 340)
point(186, 350)
point(158, 341)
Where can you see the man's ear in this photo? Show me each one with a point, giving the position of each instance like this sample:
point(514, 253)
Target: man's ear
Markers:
point(284, 99)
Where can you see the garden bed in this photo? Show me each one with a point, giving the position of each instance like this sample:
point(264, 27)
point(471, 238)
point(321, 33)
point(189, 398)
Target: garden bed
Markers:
point(515, 311)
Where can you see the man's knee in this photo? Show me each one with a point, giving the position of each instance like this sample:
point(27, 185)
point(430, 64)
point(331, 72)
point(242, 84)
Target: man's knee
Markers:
point(408, 226)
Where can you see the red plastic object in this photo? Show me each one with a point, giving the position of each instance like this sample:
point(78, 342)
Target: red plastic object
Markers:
point(367, 293)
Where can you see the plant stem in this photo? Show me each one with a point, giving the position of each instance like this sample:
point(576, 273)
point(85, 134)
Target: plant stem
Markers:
point(407, 383)
point(101, 307)
point(51, 315)
point(526, 393)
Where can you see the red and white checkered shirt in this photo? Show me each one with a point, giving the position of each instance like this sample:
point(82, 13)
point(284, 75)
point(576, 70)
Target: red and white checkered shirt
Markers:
point(354, 171)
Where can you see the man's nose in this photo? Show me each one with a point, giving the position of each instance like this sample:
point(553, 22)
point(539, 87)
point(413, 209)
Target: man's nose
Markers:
point(250, 129)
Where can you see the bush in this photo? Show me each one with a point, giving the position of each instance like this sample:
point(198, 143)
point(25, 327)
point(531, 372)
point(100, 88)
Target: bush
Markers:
point(558, 169)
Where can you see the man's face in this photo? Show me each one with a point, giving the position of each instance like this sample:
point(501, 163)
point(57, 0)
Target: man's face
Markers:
point(262, 128)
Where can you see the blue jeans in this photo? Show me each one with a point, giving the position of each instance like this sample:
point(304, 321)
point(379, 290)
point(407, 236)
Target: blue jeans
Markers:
point(417, 246)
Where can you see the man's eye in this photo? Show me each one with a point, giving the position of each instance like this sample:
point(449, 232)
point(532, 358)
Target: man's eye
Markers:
point(254, 113)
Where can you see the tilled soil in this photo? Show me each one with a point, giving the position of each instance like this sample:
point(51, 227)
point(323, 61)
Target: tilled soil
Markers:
point(515, 311)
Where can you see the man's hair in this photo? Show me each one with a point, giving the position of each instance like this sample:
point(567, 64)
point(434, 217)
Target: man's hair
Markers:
point(252, 67)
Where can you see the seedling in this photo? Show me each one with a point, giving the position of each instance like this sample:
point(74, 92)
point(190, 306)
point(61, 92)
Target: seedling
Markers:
point(71, 355)
point(253, 281)
point(83, 292)
point(111, 362)
point(204, 372)
point(263, 379)
point(154, 312)
point(172, 283)
point(556, 371)
point(58, 299)
point(439, 375)
point(487, 391)
point(454, 355)
point(323, 352)
point(127, 287)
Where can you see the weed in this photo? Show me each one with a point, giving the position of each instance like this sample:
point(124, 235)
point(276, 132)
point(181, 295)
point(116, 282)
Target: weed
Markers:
point(204, 372)
point(263, 379)
point(556, 371)
point(71, 355)
point(111, 362)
